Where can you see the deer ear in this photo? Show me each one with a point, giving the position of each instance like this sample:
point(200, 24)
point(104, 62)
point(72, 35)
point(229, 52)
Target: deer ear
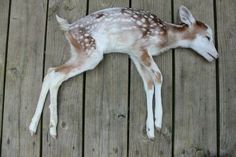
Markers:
point(186, 16)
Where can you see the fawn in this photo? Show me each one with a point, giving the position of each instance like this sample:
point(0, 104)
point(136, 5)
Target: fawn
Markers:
point(138, 33)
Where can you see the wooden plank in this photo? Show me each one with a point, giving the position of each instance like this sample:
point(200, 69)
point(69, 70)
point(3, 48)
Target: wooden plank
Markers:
point(195, 93)
point(70, 96)
point(226, 22)
point(106, 102)
point(139, 144)
point(23, 77)
point(4, 11)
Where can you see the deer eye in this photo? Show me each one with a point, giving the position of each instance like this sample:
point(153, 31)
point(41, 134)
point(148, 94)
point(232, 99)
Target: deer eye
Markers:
point(208, 38)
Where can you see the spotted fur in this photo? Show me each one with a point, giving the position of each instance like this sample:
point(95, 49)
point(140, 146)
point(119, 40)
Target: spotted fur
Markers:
point(136, 32)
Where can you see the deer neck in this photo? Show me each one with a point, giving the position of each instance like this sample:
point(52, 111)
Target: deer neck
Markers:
point(175, 37)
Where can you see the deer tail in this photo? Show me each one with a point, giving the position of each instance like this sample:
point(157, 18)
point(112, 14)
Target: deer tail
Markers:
point(64, 25)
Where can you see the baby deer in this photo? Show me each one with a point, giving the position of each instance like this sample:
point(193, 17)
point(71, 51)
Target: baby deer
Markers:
point(138, 33)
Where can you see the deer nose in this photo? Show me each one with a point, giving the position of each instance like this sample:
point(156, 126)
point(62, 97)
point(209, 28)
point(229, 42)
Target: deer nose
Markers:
point(216, 55)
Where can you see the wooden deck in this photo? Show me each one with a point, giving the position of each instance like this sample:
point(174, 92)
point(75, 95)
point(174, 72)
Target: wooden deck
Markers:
point(102, 113)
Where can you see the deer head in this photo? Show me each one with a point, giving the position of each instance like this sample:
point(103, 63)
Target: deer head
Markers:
point(197, 35)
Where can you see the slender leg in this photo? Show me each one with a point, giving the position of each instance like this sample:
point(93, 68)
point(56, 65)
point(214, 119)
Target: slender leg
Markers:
point(149, 89)
point(53, 111)
point(147, 61)
point(158, 106)
point(59, 77)
point(39, 109)
point(53, 80)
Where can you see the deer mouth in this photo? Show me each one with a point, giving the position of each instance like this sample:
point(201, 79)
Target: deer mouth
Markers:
point(211, 55)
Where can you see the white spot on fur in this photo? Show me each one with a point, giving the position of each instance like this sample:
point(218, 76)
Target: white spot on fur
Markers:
point(143, 20)
point(139, 22)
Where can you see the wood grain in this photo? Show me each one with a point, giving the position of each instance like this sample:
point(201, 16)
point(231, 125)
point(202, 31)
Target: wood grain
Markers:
point(70, 96)
point(23, 77)
point(106, 129)
point(139, 144)
point(4, 14)
point(195, 93)
point(226, 22)
point(106, 101)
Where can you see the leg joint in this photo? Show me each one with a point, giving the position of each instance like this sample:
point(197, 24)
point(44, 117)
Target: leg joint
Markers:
point(158, 78)
point(150, 84)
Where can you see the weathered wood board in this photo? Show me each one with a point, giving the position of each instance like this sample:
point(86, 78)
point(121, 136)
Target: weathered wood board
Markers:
point(4, 14)
point(195, 92)
point(106, 101)
point(139, 144)
point(70, 96)
point(226, 22)
point(23, 77)
point(103, 112)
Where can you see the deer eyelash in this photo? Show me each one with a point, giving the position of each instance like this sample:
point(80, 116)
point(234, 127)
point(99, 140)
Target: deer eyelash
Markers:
point(208, 38)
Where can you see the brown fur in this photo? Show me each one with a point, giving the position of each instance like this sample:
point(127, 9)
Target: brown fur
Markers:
point(158, 77)
point(64, 68)
point(201, 25)
point(73, 41)
point(197, 28)
point(99, 15)
point(164, 41)
point(150, 84)
point(189, 33)
point(146, 58)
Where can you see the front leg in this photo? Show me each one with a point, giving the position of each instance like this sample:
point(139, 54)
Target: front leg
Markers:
point(147, 61)
point(149, 89)
point(158, 104)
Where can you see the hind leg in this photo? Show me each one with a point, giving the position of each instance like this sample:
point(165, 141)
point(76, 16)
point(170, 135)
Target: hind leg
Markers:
point(61, 74)
point(52, 82)
point(35, 120)
point(56, 81)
